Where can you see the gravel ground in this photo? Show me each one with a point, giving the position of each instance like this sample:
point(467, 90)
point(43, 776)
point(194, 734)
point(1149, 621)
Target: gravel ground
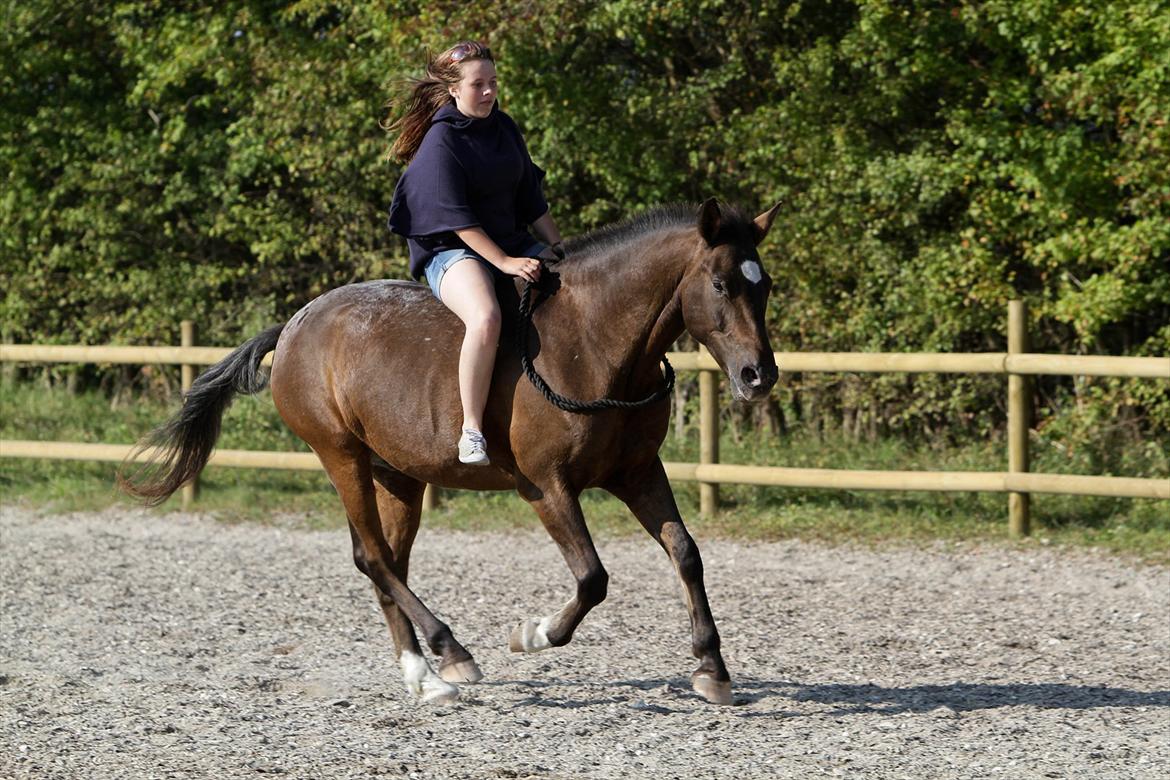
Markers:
point(139, 645)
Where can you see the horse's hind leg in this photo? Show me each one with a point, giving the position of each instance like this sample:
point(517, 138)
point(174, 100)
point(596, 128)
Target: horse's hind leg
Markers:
point(348, 467)
point(399, 507)
point(647, 493)
point(560, 512)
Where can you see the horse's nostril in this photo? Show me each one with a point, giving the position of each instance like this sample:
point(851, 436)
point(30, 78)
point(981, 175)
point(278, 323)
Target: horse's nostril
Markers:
point(750, 376)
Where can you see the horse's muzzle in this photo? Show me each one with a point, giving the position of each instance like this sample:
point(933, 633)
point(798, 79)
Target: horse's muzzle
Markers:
point(755, 380)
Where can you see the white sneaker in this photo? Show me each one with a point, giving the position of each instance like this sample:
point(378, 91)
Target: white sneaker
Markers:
point(473, 448)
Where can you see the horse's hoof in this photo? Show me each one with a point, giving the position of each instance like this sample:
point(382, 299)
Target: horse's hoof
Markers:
point(461, 672)
point(714, 691)
point(529, 636)
point(436, 691)
point(423, 683)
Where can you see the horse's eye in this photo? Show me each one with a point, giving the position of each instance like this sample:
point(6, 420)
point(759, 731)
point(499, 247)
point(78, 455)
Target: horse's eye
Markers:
point(717, 283)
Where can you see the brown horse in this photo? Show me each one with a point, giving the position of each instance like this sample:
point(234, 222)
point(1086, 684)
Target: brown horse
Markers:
point(366, 374)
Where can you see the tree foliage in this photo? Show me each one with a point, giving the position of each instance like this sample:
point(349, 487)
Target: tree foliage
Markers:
point(168, 160)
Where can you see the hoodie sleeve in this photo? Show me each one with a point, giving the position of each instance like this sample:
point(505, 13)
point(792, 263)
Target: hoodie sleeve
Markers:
point(431, 196)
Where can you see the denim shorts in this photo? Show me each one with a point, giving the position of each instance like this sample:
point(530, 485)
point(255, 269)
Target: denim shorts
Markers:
point(436, 268)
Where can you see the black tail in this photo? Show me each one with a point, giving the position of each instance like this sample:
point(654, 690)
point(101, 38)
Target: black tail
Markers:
point(185, 442)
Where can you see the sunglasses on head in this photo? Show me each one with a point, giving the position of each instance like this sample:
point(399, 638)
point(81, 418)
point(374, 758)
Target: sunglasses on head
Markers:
point(463, 50)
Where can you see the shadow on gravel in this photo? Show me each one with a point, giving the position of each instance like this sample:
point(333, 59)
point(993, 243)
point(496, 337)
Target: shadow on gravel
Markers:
point(648, 695)
point(674, 695)
point(958, 697)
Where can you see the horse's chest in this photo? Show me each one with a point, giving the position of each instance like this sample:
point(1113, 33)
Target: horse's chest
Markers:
point(590, 447)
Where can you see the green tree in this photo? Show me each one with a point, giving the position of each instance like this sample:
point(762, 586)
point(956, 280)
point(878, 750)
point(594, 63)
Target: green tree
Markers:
point(935, 160)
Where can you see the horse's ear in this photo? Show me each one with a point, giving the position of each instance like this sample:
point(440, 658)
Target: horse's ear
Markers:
point(764, 222)
point(709, 220)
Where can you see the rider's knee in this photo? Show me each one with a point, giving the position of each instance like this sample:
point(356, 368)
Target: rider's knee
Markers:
point(486, 322)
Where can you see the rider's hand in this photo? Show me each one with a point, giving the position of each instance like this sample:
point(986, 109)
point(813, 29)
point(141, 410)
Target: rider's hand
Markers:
point(524, 267)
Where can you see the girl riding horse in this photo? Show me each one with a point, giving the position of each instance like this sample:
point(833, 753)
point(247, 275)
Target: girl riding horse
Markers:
point(463, 204)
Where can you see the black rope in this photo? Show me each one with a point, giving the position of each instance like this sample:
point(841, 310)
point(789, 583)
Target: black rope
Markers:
point(568, 404)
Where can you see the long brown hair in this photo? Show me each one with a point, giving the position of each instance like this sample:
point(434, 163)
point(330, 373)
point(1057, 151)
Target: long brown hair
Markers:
point(423, 97)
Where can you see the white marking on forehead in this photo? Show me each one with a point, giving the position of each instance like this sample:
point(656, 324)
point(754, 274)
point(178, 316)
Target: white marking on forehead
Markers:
point(751, 271)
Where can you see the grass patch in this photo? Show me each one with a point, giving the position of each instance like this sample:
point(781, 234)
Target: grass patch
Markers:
point(1133, 528)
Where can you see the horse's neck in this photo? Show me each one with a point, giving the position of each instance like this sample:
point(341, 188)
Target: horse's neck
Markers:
point(625, 305)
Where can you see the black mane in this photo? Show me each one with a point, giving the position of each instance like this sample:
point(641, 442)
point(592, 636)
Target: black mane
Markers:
point(671, 215)
point(666, 217)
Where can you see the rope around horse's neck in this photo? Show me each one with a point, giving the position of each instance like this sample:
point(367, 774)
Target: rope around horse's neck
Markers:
point(568, 404)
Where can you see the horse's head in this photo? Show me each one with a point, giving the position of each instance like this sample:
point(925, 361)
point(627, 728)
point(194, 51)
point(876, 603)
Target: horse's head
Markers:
point(724, 297)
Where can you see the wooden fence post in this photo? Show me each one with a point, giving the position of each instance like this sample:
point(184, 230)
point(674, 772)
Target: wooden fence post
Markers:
point(708, 435)
point(7, 368)
point(187, 374)
point(430, 498)
point(1019, 412)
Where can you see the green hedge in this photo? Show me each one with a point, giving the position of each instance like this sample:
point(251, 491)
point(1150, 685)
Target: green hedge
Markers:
point(166, 160)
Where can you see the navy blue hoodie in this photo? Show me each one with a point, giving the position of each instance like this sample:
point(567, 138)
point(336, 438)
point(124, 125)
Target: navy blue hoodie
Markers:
point(467, 172)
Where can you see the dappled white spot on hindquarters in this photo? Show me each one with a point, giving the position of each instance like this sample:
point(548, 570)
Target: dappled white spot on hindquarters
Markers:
point(751, 271)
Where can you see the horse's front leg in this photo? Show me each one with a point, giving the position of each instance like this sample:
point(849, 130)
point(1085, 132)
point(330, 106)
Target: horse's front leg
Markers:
point(647, 493)
point(560, 512)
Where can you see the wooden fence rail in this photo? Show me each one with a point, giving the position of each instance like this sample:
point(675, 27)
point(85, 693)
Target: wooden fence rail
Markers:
point(714, 473)
point(1017, 363)
point(812, 362)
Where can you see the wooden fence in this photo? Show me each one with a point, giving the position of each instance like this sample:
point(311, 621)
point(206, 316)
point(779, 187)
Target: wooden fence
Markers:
point(1017, 363)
